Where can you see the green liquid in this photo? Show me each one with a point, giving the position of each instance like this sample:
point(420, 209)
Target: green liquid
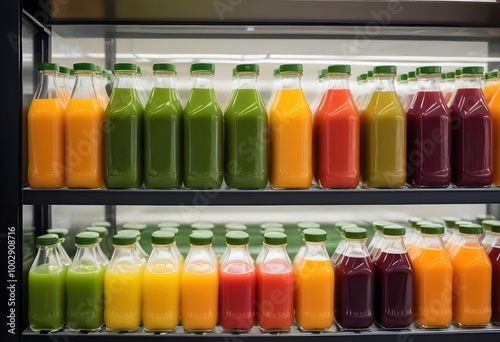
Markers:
point(47, 298)
point(203, 148)
point(163, 140)
point(245, 134)
point(123, 140)
point(85, 297)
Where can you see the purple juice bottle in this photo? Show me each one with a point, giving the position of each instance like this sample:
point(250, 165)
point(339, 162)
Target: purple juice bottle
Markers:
point(428, 133)
point(393, 281)
point(354, 283)
point(471, 132)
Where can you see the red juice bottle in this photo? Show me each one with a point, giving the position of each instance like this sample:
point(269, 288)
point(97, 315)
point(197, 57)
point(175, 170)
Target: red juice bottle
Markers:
point(336, 133)
point(354, 283)
point(494, 255)
point(237, 284)
point(393, 281)
point(471, 132)
point(428, 133)
point(275, 286)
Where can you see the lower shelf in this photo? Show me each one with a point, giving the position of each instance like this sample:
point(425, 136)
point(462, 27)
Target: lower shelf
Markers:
point(491, 333)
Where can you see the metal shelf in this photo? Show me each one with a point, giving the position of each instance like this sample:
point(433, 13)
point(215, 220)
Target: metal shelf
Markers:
point(312, 196)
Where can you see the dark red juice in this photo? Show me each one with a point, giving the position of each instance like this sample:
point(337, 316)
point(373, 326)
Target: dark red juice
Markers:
point(429, 141)
point(471, 139)
point(494, 255)
point(393, 290)
point(354, 293)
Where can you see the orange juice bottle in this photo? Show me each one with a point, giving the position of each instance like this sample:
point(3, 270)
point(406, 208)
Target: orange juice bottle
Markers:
point(494, 105)
point(491, 84)
point(290, 133)
point(452, 242)
point(199, 286)
point(472, 277)
point(449, 224)
point(84, 131)
point(314, 284)
point(433, 279)
point(46, 131)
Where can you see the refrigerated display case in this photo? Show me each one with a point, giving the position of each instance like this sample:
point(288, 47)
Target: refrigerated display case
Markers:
point(29, 29)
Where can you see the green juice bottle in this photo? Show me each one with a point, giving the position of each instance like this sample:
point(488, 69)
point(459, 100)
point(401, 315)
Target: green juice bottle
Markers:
point(203, 147)
point(163, 131)
point(245, 133)
point(123, 131)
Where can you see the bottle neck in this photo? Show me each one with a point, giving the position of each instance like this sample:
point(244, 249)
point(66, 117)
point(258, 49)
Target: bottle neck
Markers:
point(238, 253)
point(431, 241)
point(316, 251)
point(163, 253)
point(246, 81)
point(468, 81)
point(276, 252)
point(47, 255)
point(356, 248)
point(291, 81)
point(85, 86)
point(165, 80)
point(469, 240)
point(63, 255)
point(384, 83)
point(496, 240)
point(337, 81)
point(85, 254)
point(393, 244)
point(126, 80)
point(203, 80)
point(429, 83)
point(48, 86)
point(125, 254)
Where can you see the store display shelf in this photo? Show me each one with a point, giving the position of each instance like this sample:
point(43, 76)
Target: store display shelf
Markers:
point(313, 196)
point(490, 333)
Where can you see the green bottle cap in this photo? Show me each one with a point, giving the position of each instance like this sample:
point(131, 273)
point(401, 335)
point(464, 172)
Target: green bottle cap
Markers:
point(340, 224)
point(202, 67)
point(379, 225)
point(363, 77)
point(443, 76)
point(291, 68)
point(450, 75)
point(253, 68)
point(369, 74)
point(339, 68)
point(202, 225)
point(458, 223)
point(470, 228)
point(161, 237)
point(174, 230)
point(432, 228)
point(134, 226)
point(101, 224)
point(458, 72)
point(305, 225)
point(61, 232)
point(402, 77)
point(102, 231)
point(495, 227)
point(271, 225)
point(449, 221)
point(480, 218)
point(276, 72)
point(272, 230)
point(84, 67)
point(204, 232)
point(139, 70)
point(411, 74)
point(473, 70)
point(124, 240)
point(393, 230)
point(419, 224)
point(198, 239)
point(237, 238)
point(130, 232)
point(87, 238)
point(236, 226)
point(314, 235)
point(125, 67)
point(168, 224)
point(491, 74)
point(275, 238)
point(47, 240)
point(164, 67)
point(428, 70)
point(64, 70)
point(413, 221)
point(385, 69)
point(107, 74)
point(322, 73)
point(487, 224)
point(98, 70)
point(72, 72)
point(47, 66)
point(355, 233)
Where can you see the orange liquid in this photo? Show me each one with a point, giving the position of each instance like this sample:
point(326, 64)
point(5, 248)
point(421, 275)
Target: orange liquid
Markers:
point(290, 140)
point(84, 134)
point(46, 144)
point(432, 287)
point(490, 90)
point(472, 274)
point(494, 105)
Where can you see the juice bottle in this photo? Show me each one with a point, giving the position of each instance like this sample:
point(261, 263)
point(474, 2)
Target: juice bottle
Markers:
point(275, 313)
point(361, 91)
point(320, 90)
point(84, 118)
point(108, 240)
point(236, 284)
point(342, 243)
point(141, 228)
point(402, 86)
point(301, 227)
point(452, 242)
point(494, 105)
point(290, 133)
point(102, 257)
point(414, 244)
point(314, 284)
point(85, 285)
point(354, 283)
point(137, 249)
point(100, 86)
point(378, 238)
point(488, 236)
point(175, 248)
point(163, 121)
point(370, 82)
point(263, 249)
point(448, 86)
point(433, 279)
point(428, 133)
point(64, 257)
point(123, 131)
point(245, 132)
point(383, 134)
point(494, 255)
point(491, 84)
point(450, 230)
point(64, 83)
point(411, 229)
point(393, 281)
point(203, 130)
point(336, 133)
point(412, 90)
point(276, 85)
point(46, 131)
point(471, 132)
point(46, 287)
point(161, 285)
point(472, 279)
point(199, 286)
point(123, 286)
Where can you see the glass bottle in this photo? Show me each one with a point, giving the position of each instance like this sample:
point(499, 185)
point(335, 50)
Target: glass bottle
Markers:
point(410, 229)
point(139, 81)
point(488, 236)
point(174, 247)
point(402, 86)
point(320, 90)
point(123, 131)
point(102, 256)
point(383, 134)
point(275, 275)
point(47, 287)
point(276, 85)
point(263, 249)
point(368, 91)
point(84, 119)
point(137, 249)
point(108, 240)
point(100, 86)
point(378, 239)
point(200, 286)
point(491, 84)
point(64, 257)
point(290, 129)
point(449, 86)
point(449, 224)
point(245, 132)
point(393, 281)
point(123, 286)
point(412, 90)
point(161, 285)
point(85, 285)
point(428, 133)
point(301, 227)
point(203, 126)
point(471, 132)
point(361, 91)
point(413, 244)
point(163, 119)
point(64, 83)
point(453, 240)
point(494, 255)
point(354, 283)
point(237, 284)
point(142, 228)
point(314, 284)
point(46, 149)
point(342, 243)
point(336, 133)
point(471, 294)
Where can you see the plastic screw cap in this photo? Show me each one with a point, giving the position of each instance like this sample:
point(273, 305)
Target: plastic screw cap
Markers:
point(379, 225)
point(253, 68)
point(291, 68)
point(394, 230)
point(164, 67)
point(355, 233)
point(161, 237)
point(124, 239)
point(459, 223)
point(202, 67)
point(429, 70)
point(235, 226)
point(473, 70)
point(102, 231)
point(134, 226)
point(449, 221)
point(272, 230)
point(168, 224)
point(64, 70)
point(402, 77)
point(174, 230)
point(47, 240)
point(61, 232)
point(315, 235)
point(305, 225)
point(471, 228)
point(237, 238)
point(130, 232)
point(87, 238)
point(339, 68)
point(125, 67)
point(487, 224)
point(385, 69)
point(200, 239)
point(413, 221)
point(432, 228)
point(275, 238)
point(495, 227)
point(101, 224)
point(47, 66)
point(271, 225)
